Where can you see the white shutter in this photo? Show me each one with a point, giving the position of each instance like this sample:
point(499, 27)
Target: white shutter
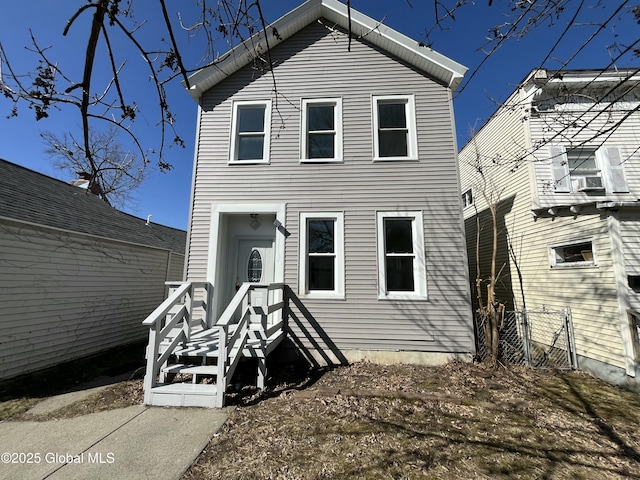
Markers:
point(560, 169)
point(615, 169)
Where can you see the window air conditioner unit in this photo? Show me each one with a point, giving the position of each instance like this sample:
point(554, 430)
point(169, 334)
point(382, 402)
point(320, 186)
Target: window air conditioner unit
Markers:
point(590, 183)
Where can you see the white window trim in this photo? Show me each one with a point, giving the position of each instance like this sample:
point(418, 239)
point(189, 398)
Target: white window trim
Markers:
point(410, 112)
point(233, 147)
point(464, 198)
point(338, 292)
point(587, 263)
point(564, 178)
point(337, 122)
point(419, 263)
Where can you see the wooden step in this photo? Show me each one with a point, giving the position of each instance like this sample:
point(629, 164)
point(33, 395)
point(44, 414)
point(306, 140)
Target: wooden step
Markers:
point(194, 370)
point(184, 395)
point(191, 369)
point(255, 348)
point(199, 351)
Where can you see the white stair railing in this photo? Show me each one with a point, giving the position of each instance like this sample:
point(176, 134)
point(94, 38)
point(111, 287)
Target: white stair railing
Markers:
point(173, 320)
point(173, 323)
point(247, 320)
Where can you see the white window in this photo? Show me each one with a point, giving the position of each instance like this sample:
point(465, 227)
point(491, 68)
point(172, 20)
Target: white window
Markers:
point(322, 255)
point(321, 130)
point(578, 253)
point(467, 199)
point(394, 128)
point(587, 169)
point(401, 260)
point(250, 127)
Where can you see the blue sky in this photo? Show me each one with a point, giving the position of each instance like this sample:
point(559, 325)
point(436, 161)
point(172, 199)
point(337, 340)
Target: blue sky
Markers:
point(166, 196)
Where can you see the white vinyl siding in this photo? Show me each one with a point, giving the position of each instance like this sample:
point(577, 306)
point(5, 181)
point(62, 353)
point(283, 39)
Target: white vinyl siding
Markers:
point(250, 132)
point(321, 131)
point(322, 255)
point(394, 127)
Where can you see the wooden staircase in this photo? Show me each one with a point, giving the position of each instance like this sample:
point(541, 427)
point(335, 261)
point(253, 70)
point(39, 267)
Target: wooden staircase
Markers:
point(191, 359)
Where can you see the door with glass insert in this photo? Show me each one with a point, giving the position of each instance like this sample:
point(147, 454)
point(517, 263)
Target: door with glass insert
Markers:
point(255, 265)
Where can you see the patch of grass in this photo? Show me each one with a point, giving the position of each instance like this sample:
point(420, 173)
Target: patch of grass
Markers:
point(119, 395)
point(16, 406)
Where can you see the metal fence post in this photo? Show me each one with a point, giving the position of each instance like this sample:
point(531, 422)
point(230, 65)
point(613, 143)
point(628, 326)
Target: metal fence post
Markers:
point(571, 339)
point(525, 338)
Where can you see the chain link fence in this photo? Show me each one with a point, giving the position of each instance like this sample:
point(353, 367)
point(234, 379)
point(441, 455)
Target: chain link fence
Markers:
point(541, 339)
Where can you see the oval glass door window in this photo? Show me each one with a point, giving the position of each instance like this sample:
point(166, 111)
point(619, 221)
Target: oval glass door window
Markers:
point(254, 269)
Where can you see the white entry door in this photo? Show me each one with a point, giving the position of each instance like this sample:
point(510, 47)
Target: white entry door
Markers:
point(256, 265)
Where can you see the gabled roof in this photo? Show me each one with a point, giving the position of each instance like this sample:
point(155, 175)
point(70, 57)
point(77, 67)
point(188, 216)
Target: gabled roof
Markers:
point(422, 58)
point(32, 197)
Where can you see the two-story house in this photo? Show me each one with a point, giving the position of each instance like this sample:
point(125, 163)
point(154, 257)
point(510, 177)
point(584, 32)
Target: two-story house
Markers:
point(335, 173)
point(561, 160)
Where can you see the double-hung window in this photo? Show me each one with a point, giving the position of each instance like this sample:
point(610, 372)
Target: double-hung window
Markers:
point(587, 169)
point(401, 260)
point(321, 130)
point(250, 127)
point(322, 254)
point(394, 128)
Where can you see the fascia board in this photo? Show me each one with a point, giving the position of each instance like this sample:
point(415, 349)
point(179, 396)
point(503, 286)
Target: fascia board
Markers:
point(399, 45)
point(394, 42)
point(241, 54)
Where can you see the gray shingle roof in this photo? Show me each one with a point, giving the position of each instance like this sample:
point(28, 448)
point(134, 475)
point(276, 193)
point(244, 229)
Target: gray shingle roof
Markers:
point(36, 198)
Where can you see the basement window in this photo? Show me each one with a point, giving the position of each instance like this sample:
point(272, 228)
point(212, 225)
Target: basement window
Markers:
point(572, 254)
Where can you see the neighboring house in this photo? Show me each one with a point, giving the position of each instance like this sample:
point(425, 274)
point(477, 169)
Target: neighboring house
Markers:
point(336, 176)
point(562, 153)
point(76, 276)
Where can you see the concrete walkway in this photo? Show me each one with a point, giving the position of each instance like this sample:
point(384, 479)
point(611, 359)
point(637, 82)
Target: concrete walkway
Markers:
point(137, 442)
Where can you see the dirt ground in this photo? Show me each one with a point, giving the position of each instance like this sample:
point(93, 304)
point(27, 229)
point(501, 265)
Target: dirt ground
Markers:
point(457, 421)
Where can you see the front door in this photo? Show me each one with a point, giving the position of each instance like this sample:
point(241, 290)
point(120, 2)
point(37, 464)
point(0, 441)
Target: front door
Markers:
point(255, 264)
